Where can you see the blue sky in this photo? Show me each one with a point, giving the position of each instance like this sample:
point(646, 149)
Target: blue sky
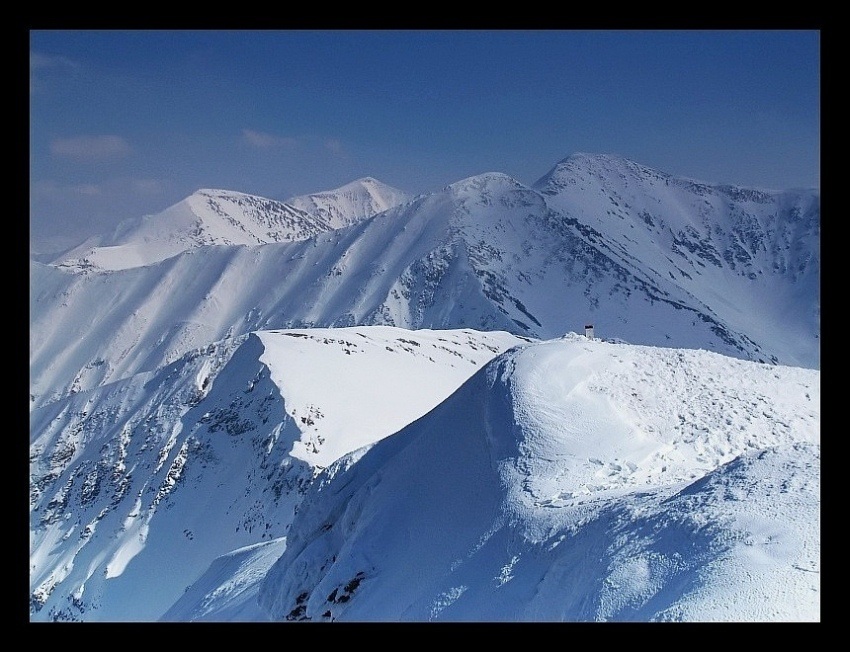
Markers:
point(126, 123)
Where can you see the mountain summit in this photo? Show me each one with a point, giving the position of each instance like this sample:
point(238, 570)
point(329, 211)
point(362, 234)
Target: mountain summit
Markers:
point(350, 203)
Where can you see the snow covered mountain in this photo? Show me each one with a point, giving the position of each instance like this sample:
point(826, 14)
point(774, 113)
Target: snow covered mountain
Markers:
point(137, 486)
point(750, 257)
point(648, 258)
point(656, 483)
point(225, 217)
point(574, 480)
point(358, 405)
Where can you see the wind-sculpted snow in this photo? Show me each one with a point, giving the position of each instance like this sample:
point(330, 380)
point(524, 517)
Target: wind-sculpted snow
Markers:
point(574, 480)
point(136, 487)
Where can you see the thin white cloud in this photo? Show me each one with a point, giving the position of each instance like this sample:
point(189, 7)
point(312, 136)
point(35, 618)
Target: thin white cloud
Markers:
point(87, 189)
point(50, 188)
point(44, 67)
point(335, 147)
point(114, 189)
point(90, 149)
point(40, 61)
point(148, 186)
point(264, 140)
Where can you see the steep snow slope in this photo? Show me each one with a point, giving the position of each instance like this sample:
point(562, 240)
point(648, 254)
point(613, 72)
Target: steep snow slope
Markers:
point(752, 257)
point(227, 590)
point(574, 480)
point(137, 486)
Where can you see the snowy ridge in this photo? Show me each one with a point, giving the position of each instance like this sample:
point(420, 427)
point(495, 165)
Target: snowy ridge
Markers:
point(487, 253)
point(145, 481)
point(224, 217)
point(751, 257)
point(557, 485)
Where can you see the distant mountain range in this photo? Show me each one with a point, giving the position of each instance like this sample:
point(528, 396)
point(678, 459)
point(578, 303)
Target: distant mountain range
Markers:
point(365, 405)
point(224, 217)
point(649, 258)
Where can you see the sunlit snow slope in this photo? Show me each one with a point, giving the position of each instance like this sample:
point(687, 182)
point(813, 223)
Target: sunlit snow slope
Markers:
point(137, 486)
point(647, 258)
point(575, 480)
point(350, 203)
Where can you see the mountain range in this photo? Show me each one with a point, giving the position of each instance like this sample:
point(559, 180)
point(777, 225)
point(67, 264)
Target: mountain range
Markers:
point(366, 405)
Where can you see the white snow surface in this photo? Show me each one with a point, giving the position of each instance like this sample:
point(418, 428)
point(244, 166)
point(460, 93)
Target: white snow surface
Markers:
point(137, 486)
point(348, 387)
point(575, 480)
point(227, 591)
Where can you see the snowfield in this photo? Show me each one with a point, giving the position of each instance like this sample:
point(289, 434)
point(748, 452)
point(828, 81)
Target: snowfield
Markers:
point(575, 480)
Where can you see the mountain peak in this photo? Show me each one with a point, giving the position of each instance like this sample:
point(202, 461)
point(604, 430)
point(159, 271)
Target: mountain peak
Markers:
point(485, 180)
point(368, 184)
point(215, 191)
point(355, 201)
point(219, 192)
point(602, 163)
point(368, 181)
point(605, 168)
